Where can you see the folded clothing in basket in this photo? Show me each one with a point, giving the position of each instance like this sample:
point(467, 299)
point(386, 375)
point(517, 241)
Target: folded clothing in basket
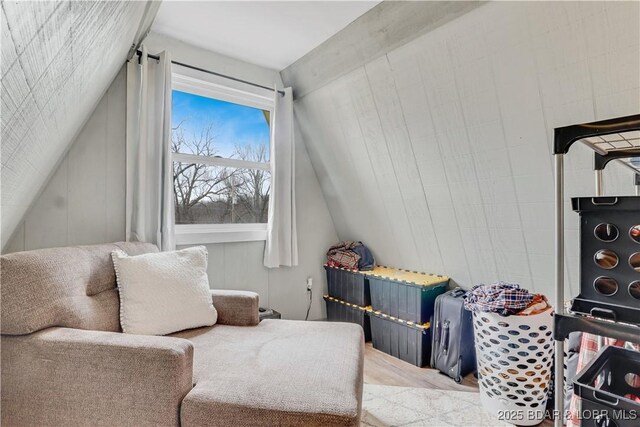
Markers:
point(537, 305)
point(505, 299)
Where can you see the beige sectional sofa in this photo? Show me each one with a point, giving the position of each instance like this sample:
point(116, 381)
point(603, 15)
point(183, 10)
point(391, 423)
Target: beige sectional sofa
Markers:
point(66, 362)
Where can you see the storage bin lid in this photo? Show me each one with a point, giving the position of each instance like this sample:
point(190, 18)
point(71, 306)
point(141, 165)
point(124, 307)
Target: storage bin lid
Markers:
point(414, 277)
point(329, 267)
point(423, 326)
point(330, 298)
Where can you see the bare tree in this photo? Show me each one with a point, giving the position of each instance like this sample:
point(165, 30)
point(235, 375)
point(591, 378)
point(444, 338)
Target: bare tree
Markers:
point(256, 183)
point(196, 183)
point(218, 194)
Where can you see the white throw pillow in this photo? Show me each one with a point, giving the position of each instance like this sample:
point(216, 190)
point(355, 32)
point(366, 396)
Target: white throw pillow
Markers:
point(164, 292)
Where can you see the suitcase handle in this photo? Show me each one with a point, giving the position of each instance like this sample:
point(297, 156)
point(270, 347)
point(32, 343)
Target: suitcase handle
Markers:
point(445, 337)
point(457, 292)
point(606, 399)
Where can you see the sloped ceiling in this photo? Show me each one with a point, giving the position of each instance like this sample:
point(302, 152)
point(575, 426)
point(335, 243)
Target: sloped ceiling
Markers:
point(437, 154)
point(271, 34)
point(58, 58)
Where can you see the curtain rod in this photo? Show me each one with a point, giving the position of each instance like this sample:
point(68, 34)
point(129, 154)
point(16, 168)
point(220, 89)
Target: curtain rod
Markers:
point(156, 57)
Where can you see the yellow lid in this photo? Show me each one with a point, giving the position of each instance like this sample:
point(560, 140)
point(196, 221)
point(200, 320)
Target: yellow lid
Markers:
point(414, 277)
point(425, 325)
point(330, 298)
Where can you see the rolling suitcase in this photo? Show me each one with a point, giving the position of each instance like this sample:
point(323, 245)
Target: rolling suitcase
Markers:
point(452, 348)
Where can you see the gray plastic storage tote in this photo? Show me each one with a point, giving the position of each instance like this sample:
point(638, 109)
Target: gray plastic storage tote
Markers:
point(350, 286)
point(341, 311)
point(403, 294)
point(405, 340)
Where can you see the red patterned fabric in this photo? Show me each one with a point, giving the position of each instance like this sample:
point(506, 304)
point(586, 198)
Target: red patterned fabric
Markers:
point(589, 347)
point(334, 264)
point(342, 256)
point(501, 297)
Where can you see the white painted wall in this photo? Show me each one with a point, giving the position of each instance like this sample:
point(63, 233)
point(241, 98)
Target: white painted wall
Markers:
point(83, 203)
point(438, 154)
point(57, 60)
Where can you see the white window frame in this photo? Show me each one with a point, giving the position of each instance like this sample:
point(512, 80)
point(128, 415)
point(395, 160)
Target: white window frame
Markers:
point(188, 234)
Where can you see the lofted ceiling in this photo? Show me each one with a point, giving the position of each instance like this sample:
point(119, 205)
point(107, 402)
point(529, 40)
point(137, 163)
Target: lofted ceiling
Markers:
point(438, 154)
point(58, 58)
point(272, 34)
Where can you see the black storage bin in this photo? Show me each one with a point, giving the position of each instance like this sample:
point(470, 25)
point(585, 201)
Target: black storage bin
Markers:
point(350, 286)
point(603, 384)
point(609, 257)
point(405, 295)
point(341, 311)
point(404, 340)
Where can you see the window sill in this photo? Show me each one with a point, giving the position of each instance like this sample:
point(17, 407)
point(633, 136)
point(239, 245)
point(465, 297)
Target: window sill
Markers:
point(223, 233)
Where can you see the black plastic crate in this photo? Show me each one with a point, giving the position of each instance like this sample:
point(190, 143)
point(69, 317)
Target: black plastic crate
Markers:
point(405, 295)
point(609, 283)
point(350, 286)
point(603, 384)
point(341, 311)
point(404, 340)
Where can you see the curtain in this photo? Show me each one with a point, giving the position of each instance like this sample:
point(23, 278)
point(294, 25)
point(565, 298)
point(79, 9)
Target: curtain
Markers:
point(149, 182)
point(281, 248)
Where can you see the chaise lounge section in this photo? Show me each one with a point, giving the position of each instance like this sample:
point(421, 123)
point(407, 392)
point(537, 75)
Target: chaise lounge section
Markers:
point(66, 361)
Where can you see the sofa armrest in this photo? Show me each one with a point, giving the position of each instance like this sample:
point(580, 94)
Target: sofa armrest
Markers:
point(62, 376)
point(237, 308)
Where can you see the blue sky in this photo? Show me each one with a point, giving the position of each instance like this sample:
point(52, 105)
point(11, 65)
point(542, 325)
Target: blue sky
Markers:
point(233, 124)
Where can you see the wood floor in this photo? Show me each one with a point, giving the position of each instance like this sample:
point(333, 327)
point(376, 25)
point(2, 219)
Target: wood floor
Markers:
point(380, 368)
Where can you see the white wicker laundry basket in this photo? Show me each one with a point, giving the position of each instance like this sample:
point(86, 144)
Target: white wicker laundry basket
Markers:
point(515, 355)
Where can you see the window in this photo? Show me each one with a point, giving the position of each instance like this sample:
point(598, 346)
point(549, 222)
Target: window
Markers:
point(221, 166)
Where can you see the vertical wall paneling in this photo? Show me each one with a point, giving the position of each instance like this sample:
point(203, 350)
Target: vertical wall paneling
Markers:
point(84, 202)
point(215, 266)
point(243, 269)
point(428, 151)
point(115, 184)
point(360, 163)
point(46, 223)
point(87, 197)
point(457, 126)
point(16, 243)
point(389, 190)
point(57, 60)
point(404, 164)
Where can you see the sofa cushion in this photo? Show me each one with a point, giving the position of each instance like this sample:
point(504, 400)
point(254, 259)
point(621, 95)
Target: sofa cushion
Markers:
point(164, 292)
point(73, 287)
point(280, 372)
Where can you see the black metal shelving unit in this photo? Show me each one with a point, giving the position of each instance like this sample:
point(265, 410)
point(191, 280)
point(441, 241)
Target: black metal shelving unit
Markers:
point(613, 139)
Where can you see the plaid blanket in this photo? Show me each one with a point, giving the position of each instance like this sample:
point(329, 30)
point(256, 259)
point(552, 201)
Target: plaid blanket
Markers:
point(501, 297)
point(342, 255)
